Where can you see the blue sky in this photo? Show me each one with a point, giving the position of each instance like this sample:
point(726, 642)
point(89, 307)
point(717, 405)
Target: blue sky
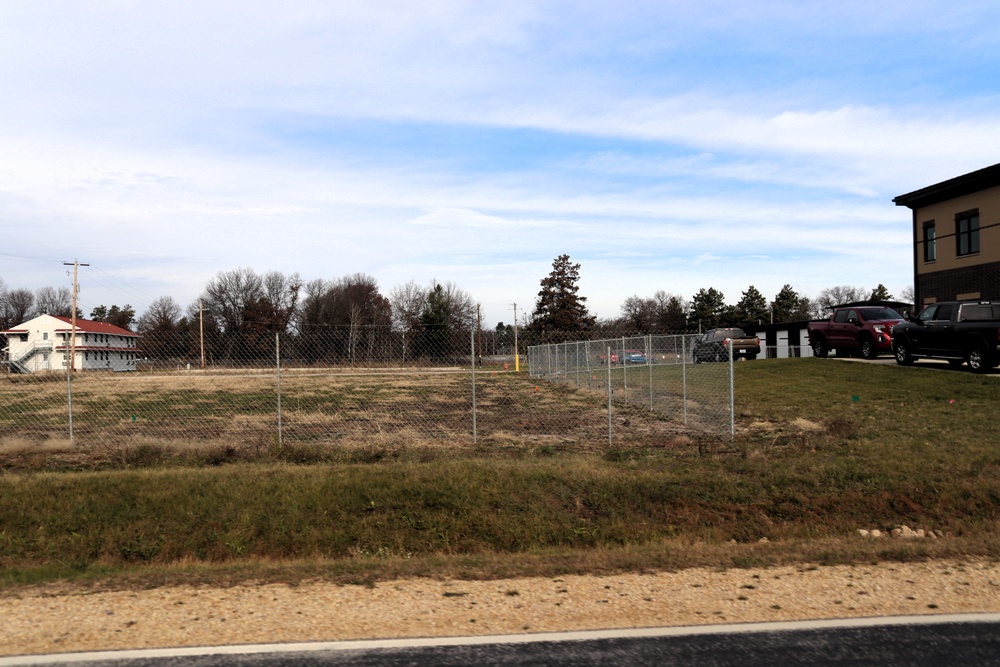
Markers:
point(662, 145)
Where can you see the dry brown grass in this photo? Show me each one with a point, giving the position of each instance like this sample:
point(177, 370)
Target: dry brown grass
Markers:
point(423, 409)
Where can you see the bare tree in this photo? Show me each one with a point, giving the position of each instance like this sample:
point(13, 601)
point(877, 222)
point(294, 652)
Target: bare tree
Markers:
point(228, 295)
point(408, 303)
point(164, 334)
point(638, 314)
point(53, 301)
point(162, 312)
point(16, 306)
point(462, 306)
point(835, 296)
point(282, 292)
point(352, 304)
point(19, 306)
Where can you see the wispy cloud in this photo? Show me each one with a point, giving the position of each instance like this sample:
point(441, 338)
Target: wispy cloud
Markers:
point(664, 145)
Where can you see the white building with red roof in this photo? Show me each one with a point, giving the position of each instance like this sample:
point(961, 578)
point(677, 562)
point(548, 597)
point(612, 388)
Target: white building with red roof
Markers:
point(44, 344)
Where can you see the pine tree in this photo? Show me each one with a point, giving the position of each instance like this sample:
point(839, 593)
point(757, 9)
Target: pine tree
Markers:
point(786, 306)
point(435, 323)
point(880, 293)
point(752, 309)
point(707, 309)
point(560, 313)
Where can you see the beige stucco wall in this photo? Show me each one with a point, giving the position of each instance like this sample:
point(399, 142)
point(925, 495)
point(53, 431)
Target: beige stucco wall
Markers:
point(943, 215)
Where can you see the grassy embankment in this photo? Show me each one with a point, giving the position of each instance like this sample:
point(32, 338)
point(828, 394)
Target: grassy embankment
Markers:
point(825, 447)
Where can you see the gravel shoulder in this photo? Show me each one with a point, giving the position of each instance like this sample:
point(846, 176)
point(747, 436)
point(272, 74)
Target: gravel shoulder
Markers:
point(37, 622)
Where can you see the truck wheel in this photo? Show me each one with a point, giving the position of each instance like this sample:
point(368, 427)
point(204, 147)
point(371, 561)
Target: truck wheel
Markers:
point(751, 356)
point(902, 353)
point(820, 349)
point(980, 360)
point(868, 348)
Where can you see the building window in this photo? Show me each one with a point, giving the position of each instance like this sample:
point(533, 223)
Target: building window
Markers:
point(967, 232)
point(930, 241)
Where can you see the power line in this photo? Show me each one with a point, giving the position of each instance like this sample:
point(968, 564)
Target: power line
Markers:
point(41, 260)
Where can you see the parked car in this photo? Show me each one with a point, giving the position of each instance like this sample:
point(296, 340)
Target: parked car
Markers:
point(958, 331)
point(864, 330)
point(714, 345)
point(634, 357)
point(626, 357)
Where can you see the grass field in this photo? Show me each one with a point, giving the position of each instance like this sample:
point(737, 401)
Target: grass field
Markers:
point(823, 448)
point(327, 414)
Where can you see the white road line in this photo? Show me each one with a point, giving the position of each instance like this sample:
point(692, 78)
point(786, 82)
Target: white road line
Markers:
point(369, 644)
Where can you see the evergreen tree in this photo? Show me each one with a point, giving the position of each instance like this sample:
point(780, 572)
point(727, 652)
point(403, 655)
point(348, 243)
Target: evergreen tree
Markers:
point(707, 309)
point(880, 293)
point(435, 323)
point(673, 315)
point(560, 313)
point(119, 317)
point(752, 309)
point(787, 306)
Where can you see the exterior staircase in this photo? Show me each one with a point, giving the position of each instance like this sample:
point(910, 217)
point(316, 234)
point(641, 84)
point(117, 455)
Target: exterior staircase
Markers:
point(20, 364)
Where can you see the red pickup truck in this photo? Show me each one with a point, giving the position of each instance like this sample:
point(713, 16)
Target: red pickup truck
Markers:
point(864, 330)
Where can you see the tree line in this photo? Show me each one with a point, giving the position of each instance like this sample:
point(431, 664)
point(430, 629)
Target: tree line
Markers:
point(708, 308)
point(560, 312)
point(348, 319)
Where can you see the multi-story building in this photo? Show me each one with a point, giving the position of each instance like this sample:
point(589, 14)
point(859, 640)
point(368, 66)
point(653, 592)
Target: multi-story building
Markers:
point(44, 344)
point(956, 238)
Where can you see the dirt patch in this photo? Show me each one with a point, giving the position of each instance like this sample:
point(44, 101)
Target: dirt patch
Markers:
point(37, 622)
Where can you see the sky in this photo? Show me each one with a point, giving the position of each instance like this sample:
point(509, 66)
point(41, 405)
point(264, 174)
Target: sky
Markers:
point(664, 145)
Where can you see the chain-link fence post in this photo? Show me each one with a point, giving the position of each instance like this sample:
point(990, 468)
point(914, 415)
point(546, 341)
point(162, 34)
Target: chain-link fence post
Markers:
point(684, 379)
point(472, 355)
point(69, 402)
point(621, 360)
point(608, 360)
point(586, 351)
point(649, 368)
point(732, 395)
point(277, 366)
point(576, 363)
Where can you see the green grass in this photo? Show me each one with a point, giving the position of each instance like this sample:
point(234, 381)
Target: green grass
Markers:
point(824, 447)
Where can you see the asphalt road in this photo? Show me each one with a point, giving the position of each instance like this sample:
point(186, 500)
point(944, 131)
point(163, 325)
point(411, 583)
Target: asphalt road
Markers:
point(971, 639)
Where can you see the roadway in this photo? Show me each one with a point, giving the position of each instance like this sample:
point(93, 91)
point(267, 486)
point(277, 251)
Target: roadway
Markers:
point(967, 639)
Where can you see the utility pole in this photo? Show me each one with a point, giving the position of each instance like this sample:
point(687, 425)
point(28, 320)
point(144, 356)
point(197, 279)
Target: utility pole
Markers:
point(72, 328)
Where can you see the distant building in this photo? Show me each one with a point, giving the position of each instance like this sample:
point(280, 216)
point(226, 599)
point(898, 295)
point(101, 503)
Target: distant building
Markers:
point(956, 238)
point(44, 343)
point(781, 340)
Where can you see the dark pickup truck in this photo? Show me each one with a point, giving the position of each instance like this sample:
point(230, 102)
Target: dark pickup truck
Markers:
point(864, 330)
point(959, 331)
point(715, 345)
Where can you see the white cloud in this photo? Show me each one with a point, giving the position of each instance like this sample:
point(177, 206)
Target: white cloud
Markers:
point(664, 145)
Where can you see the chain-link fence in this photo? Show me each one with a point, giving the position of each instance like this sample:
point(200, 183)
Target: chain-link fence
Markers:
point(664, 375)
point(348, 389)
